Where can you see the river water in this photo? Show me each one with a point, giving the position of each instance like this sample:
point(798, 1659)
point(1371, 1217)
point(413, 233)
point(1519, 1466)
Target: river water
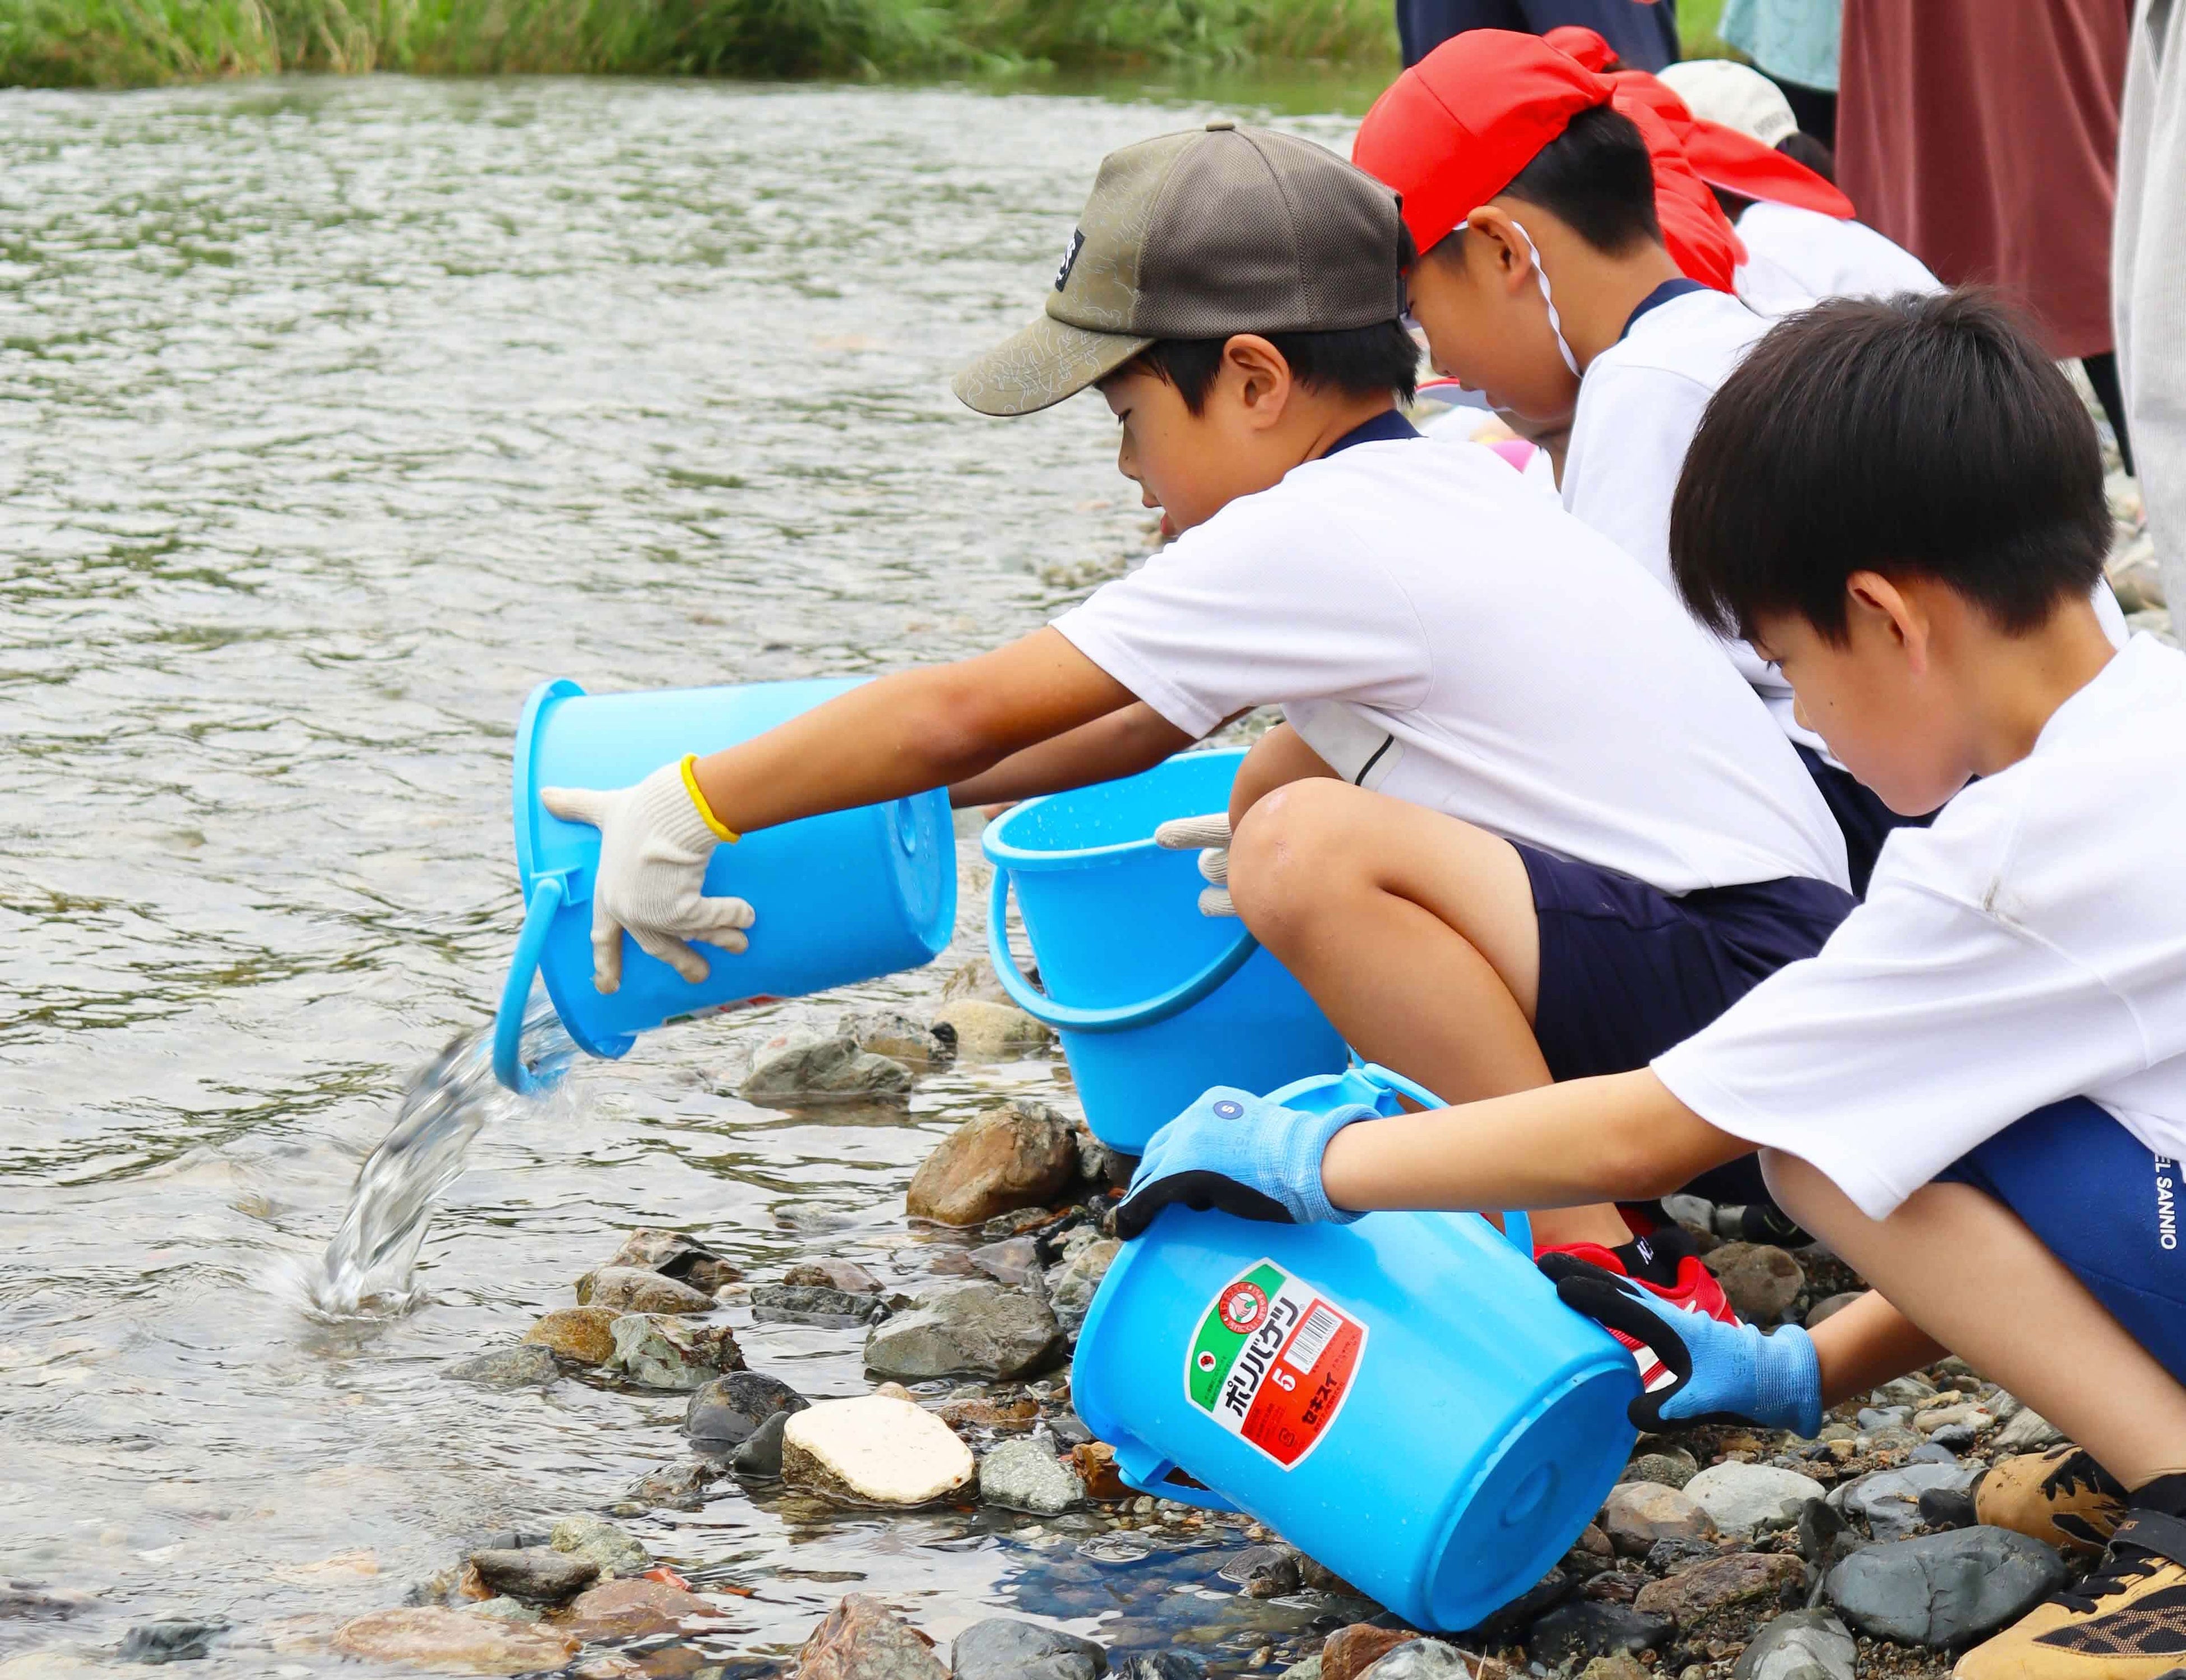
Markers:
point(333, 415)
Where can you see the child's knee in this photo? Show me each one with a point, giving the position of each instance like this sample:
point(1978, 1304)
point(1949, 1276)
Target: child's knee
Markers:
point(1291, 850)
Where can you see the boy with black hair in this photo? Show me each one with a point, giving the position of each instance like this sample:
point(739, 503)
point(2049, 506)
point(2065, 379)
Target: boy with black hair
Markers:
point(1976, 1092)
point(1234, 296)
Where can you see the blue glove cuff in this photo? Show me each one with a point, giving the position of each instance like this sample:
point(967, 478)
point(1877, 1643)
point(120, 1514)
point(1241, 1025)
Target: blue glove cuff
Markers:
point(1300, 1146)
point(1787, 1382)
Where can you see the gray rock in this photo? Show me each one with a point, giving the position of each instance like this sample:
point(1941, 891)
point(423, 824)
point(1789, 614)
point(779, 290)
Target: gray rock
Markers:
point(1953, 1438)
point(1004, 1648)
point(2026, 1430)
point(977, 1330)
point(1931, 1452)
point(814, 1304)
point(630, 1289)
point(1803, 1645)
point(759, 1455)
point(650, 1248)
point(1421, 1659)
point(1024, 1475)
point(1308, 1670)
point(1264, 1572)
point(1015, 1261)
point(677, 1486)
point(1581, 1629)
point(1948, 1507)
point(900, 1038)
point(1761, 1281)
point(1637, 1514)
point(158, 1642)
point(656, 1351)
point(519, 1364)
point(599, 1543)
point(1944, 1589)
point(1830, 1306)
point(1099, 1164)
point(1889, 1501)
point(729, 1409)
point(1163, 1665)
point(1072, 1284)
point(804, 1067)
point(1884, 1417)
point(1671, 1470)
point(507, 1610)
point(539, 1575)
point(1907, 1391)
point(1069, 1430)
point(847, 1275)
point(1743, 1497)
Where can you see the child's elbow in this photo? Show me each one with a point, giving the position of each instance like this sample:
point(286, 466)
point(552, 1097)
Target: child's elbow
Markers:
point(958, 729)
point(1635, 1166)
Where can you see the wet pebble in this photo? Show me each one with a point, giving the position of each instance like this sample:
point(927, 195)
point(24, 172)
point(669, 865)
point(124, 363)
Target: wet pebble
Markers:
point(539, 1573)
point(601, 1543)
point(1162, 1666)
point(1944, 1589)
point(1072, 1282)
point(862, 1639)
point(655, 1351)
point(900, 1038)
point(973, 1329)
point(581, 1334)
point(517, 1365)
point(635, 1609)
point(758, 1455)
point(802, 1066)
point(452, 1641)
point(1423, 1660)
point(1005, 1649)
point(1014, 1261)
point(729, 1409)
point(1263, 1571)
point(987, 1031)
point(1024, 1475)
point(672, 1254)
point(814, 1304)
point(1019, 1156)
point(847, 1275)
point(627, 1289)
point(158, 1642)
point(680, 1487)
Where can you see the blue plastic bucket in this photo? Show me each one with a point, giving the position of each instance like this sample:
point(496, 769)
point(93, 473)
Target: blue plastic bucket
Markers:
point(837, 899)
point(1403, 1399)
point(1153, 1001)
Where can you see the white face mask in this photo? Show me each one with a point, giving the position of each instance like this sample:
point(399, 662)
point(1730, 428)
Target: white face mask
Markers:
point(1549, 298)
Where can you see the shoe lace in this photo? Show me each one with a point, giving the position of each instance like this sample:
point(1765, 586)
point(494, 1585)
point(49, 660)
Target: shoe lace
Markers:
point(2122, 1566)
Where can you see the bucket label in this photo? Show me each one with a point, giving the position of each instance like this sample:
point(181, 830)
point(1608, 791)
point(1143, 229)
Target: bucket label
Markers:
point(1273, 1361)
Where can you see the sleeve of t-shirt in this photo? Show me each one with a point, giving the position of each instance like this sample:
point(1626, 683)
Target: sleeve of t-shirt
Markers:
point(1926, 1025)
point(1273, 604)
point(1623, 476)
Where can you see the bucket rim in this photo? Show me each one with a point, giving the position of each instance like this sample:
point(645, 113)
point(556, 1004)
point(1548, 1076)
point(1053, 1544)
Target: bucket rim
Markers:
point(1001, 853)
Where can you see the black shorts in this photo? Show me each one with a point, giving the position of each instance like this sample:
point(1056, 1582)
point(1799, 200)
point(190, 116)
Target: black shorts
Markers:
point(1627, 969)
point(1867, 822)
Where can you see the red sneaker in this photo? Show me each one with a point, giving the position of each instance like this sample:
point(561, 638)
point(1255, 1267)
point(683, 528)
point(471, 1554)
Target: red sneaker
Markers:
point(1665, 1265)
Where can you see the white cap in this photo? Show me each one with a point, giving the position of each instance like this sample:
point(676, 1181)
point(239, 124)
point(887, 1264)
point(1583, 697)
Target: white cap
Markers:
point(1718, 90)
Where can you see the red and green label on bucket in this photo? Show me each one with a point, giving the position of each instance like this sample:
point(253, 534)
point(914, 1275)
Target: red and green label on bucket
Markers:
point(1273, 1361)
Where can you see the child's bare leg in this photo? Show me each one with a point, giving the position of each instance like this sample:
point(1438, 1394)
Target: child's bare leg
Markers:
point(1416, 933)
point(1277, 759)
point(1967, 1271)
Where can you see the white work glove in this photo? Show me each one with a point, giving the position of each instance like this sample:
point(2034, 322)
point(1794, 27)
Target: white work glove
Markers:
point(1211, 834)
point(655, 846)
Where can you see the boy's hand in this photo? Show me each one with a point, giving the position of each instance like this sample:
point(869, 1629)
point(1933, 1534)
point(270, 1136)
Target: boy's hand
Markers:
point(1242, 1154)
point(1210, 836)
point(655, 846)
point(1725, 1373)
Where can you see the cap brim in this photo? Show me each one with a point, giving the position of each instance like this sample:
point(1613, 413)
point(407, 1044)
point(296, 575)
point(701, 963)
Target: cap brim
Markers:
point(1041, 365)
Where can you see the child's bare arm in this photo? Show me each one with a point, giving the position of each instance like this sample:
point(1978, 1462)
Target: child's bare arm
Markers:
point(904, 734)
point(1123, 743)
point(1620, 1138)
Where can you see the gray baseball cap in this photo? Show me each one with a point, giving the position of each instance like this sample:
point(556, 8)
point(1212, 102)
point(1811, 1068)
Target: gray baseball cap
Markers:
point(1200, 235)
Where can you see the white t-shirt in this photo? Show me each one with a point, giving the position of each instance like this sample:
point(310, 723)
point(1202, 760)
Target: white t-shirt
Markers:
point(2029, 947)
point(1439, 630)
point(1795, 257)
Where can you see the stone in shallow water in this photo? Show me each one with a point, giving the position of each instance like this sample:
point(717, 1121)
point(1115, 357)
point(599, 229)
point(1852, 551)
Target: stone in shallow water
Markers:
point(987, 1031)
point(1005, 1649)
point(1024, 1475)
point(657, 1351)
point(814, 1304)
point(969, 1329)
point(537, 1573)
point(1349, 1652)
point(1072, 1284)
point(1014, 1261)
point(862, 1639)
point(1023, 1155)
point(452, 1642)
point(635, 1610)
point(847, 1275)
point(1743, 1497)
point(519, 1364)
point(804, 1067)
point(673, 1255)
point(900, 1038)
point(1423, 1660)
point(1264, 1572)
point(600, 1542)
point(759, 1455)
point(626, 1289)
point(581, 1334)
point(1163, 1665)
point(679, 1486)
point(1944, 1589)
point(158, 1642)
point(729, 1409)
point(874, 1451)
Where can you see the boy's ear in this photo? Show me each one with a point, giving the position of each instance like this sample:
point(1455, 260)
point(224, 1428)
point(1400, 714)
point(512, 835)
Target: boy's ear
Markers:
point(1254, 372)
point(1498, 247)
point(1884, 609)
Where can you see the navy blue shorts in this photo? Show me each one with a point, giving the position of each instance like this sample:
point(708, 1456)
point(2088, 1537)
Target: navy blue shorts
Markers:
point(2101, 1203)
point(1866, 821)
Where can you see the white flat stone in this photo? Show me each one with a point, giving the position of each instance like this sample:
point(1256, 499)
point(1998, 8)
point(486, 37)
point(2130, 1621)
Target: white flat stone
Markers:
point(875, 1450)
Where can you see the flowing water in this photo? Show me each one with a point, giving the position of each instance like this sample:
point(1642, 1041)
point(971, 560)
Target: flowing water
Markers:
point(333, 415)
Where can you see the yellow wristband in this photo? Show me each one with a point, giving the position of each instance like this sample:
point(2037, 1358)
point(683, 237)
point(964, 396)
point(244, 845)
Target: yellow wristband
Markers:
point(721, 830)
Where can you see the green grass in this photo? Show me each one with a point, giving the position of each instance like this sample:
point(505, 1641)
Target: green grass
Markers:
point(116, 43)
point(1696, 24)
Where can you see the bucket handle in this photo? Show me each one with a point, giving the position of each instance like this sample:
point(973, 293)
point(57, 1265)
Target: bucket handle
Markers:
point(548, 894)
point(1145, 1470)
point(1118, 1017)
point(1517, 1227)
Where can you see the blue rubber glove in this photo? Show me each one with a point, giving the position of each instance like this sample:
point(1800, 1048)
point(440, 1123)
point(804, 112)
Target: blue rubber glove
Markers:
point(1725, 1373)
point(1243, 1155)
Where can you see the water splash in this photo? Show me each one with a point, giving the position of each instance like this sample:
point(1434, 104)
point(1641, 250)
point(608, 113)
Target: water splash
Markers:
point(367, 1267)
